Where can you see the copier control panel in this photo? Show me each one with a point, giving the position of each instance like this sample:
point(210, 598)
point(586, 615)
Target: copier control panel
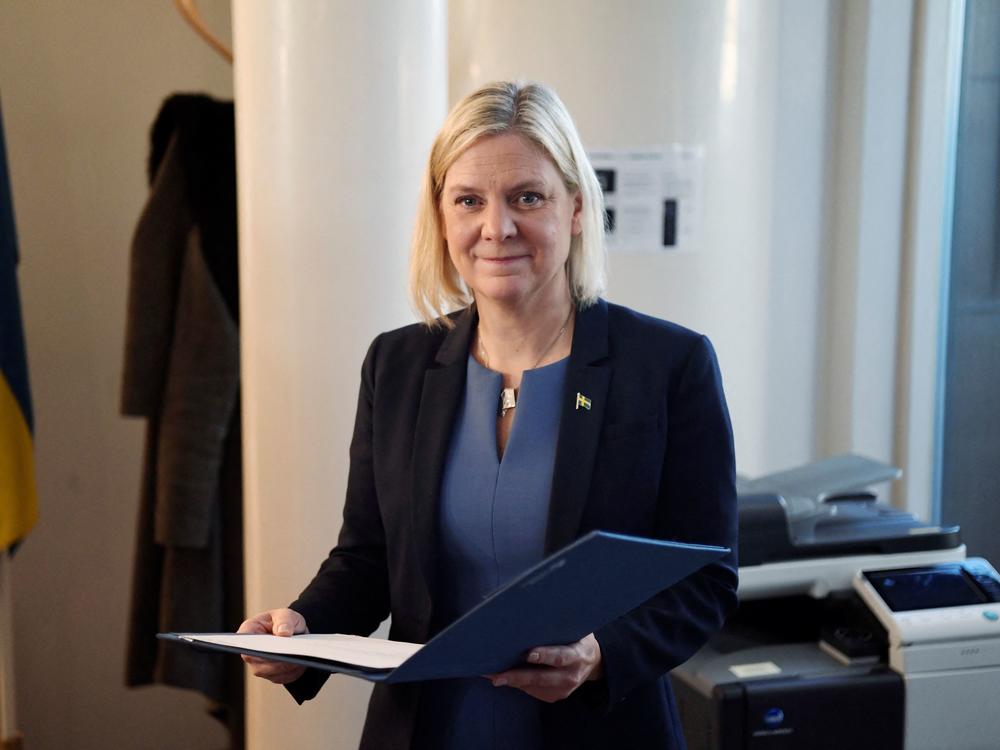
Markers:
point(943, 622)
point(942, 602)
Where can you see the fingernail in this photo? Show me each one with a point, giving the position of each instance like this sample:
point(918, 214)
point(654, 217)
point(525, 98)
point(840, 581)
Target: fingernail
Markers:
point(282, 629)
point(500, 682)
point(533, 656)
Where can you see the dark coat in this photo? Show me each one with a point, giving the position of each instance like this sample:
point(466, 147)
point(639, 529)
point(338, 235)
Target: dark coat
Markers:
point(652, 457)
point(182, 373)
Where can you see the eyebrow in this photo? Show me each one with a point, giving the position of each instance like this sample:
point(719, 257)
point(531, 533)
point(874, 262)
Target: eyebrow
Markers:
point(523, 185)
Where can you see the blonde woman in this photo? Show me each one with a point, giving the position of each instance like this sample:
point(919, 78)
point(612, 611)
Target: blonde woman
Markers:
point(523, 412)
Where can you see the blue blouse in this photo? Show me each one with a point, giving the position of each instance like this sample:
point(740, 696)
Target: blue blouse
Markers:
point(492, 524)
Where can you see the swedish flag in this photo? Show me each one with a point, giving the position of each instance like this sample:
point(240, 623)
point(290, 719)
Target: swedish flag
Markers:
point(582, 402)
point(18, 497)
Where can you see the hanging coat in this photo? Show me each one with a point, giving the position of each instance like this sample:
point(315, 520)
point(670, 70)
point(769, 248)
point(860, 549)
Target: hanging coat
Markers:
point(181, 373)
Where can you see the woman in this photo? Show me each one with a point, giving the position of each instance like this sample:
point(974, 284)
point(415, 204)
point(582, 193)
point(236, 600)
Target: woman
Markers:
point(490, 437)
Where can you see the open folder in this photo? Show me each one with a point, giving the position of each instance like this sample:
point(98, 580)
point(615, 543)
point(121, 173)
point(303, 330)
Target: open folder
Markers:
point(575, 591)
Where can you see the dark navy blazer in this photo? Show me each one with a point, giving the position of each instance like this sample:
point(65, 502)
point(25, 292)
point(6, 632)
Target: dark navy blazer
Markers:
point(653, 456)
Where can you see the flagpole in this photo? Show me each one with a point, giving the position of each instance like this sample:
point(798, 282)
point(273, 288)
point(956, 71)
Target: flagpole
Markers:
point(10, 738)
point(18, 499)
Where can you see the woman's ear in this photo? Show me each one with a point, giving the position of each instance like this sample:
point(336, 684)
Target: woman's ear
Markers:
point(576, 226)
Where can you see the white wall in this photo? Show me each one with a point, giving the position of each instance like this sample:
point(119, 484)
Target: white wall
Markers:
point(81, 83)
point(863, 265)
point(748, 82)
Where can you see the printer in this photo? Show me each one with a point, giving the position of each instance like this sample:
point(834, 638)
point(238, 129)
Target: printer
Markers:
point(859, 625)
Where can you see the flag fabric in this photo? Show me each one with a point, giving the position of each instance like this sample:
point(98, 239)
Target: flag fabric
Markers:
point(18, 496)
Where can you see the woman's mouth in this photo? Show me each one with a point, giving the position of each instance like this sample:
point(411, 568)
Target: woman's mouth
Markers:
point(504, 260)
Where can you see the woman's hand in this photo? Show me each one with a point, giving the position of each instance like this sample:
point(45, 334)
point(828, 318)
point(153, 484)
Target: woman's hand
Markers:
point(555, 671)
point(284, 622)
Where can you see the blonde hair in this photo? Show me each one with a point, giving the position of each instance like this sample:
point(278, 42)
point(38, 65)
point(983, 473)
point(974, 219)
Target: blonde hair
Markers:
point(534, 111)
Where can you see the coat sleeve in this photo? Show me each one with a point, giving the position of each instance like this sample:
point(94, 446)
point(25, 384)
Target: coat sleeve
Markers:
point(350, 593)
point(155, 262)
point(697, 503)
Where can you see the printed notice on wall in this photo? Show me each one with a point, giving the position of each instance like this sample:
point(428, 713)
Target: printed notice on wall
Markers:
point(652, 197)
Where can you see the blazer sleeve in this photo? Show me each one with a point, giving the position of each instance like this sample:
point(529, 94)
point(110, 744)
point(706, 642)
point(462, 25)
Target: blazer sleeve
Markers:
point(350, 592)
point(697, 503)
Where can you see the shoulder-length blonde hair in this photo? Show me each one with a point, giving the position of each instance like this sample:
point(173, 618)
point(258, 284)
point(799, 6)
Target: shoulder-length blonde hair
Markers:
point(534, 111)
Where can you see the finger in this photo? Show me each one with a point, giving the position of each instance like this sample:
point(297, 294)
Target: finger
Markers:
point(256, 659)
point(280, 675)
point(535, 678)
point(286, 678)
point(258, 662)
point(258, 624)
point(275, 671)
point(544, 685)
point(268, 667)
point(554, 656)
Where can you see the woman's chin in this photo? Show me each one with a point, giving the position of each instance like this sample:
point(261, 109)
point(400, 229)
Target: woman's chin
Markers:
point(506, 292)
point(512, 291)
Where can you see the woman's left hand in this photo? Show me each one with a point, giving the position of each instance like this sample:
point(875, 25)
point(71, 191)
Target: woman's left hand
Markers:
point(554, 672)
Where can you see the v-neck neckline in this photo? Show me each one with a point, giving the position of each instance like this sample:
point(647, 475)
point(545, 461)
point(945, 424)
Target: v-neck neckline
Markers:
point(494, 379)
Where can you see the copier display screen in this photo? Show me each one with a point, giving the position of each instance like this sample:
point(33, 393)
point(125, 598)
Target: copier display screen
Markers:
point(926, 588)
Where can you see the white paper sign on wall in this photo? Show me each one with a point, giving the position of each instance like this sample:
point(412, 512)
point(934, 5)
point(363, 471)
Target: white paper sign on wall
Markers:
point(652, 197)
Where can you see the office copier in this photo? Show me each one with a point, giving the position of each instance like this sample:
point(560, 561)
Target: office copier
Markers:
point(859, 626)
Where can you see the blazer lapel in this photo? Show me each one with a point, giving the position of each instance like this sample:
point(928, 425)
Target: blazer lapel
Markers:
point(584, 401)
point(439, 400)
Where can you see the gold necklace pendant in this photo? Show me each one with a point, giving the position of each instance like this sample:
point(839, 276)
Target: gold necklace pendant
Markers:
point(508, 400)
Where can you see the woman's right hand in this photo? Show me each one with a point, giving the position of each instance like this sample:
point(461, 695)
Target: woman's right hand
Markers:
point(283, 622)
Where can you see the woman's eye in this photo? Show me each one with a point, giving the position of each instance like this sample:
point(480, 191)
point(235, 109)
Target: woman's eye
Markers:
point(529, 199)
point(467, 201)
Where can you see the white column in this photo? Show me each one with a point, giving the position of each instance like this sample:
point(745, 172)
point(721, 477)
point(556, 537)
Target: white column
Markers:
point(863, 272)
point(336, 105)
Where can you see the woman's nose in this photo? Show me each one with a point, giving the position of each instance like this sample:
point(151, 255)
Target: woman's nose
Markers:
point(498, 222)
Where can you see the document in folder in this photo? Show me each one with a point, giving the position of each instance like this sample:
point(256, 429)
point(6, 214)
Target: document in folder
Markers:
point(575, 591)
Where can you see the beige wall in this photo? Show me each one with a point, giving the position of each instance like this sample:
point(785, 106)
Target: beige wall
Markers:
point(81, 83)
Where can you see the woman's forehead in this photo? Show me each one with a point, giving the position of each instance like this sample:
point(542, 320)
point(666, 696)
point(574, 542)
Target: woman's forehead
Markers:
point(501, 159)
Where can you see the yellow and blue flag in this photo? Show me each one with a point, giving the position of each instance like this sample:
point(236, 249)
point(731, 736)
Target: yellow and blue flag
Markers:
point(18, 496)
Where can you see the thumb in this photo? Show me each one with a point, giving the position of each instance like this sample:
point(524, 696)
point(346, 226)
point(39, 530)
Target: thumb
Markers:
point(286, 622)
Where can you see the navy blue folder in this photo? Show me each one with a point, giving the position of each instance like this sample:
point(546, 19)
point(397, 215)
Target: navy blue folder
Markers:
point(573, 592)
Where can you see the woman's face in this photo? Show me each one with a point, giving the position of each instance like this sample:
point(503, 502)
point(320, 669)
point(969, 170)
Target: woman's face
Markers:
point(508, 220)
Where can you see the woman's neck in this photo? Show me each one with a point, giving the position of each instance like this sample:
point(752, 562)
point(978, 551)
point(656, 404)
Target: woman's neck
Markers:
point(513, 339)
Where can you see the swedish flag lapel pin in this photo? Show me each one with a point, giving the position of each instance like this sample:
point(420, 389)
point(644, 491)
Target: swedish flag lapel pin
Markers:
point(582, 402)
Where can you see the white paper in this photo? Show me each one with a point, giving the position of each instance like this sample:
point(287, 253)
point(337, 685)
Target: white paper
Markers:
point(756, 669)
point(653, 196)
point(371, 653)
